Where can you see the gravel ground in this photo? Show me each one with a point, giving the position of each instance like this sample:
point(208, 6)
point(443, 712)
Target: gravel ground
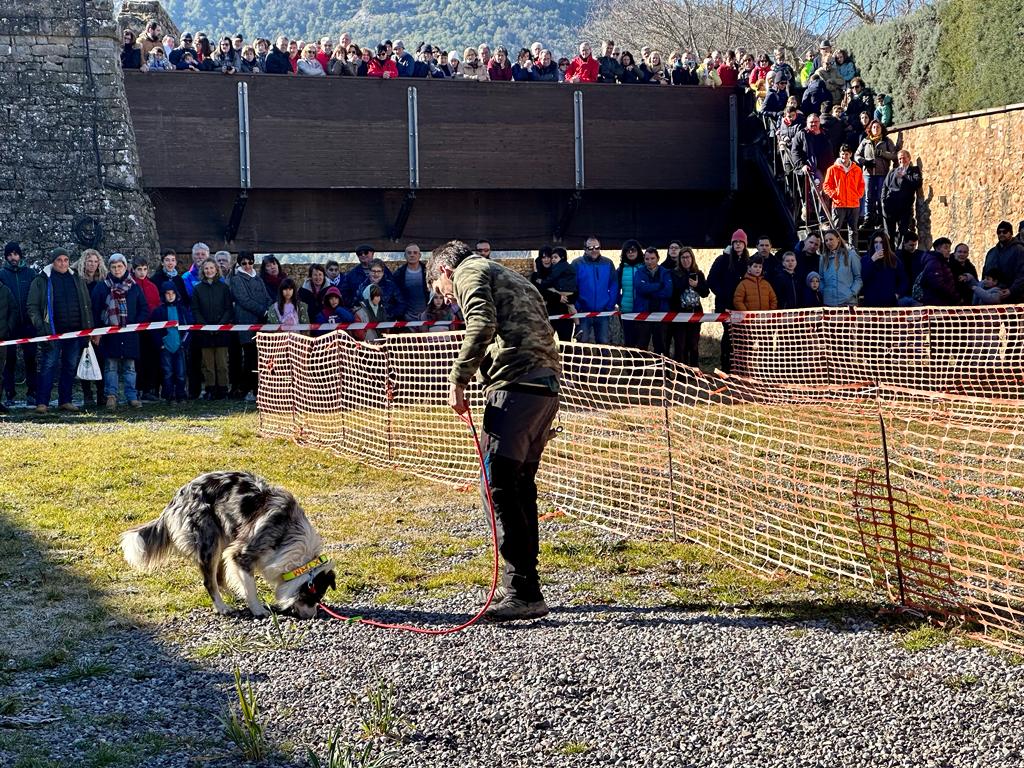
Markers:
point(589, 685)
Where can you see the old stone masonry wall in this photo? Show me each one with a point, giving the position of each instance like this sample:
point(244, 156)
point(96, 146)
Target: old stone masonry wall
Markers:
point(68, 158)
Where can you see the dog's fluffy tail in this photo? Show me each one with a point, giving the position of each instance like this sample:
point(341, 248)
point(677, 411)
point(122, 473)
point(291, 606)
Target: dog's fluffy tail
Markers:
point(147, 546)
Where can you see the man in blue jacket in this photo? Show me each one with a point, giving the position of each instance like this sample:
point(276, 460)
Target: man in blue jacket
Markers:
point(598, 290)
point(18, 278)
point(653, 294)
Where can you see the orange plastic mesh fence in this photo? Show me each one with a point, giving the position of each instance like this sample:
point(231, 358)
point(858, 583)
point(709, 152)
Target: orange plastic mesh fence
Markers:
point(813, 468)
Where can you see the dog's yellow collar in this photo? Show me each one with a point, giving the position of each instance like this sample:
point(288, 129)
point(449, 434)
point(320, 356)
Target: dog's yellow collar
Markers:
point(316, 562)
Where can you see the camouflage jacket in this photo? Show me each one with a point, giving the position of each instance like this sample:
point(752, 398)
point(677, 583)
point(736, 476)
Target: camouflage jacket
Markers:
point(507, 330)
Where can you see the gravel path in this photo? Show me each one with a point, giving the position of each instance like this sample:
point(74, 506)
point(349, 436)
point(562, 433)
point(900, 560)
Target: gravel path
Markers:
point(589, 685)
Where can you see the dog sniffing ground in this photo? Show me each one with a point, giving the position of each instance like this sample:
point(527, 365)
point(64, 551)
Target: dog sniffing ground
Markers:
point(654, 654)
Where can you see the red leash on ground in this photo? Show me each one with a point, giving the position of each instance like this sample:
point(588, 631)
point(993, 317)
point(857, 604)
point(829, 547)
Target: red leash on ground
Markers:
point(468, 419)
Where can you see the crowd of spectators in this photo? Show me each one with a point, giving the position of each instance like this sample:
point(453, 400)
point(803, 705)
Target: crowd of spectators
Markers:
point(821, 270)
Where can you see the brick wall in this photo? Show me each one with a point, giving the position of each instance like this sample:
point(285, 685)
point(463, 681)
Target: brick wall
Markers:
point(973, 168)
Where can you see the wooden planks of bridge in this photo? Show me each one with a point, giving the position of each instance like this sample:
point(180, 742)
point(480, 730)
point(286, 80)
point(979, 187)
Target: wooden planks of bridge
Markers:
point(332, 162)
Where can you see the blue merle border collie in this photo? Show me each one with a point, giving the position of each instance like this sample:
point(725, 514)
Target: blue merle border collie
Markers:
point(233, 525)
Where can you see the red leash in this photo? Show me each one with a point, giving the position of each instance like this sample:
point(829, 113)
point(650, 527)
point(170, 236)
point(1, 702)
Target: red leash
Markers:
point(468, 419)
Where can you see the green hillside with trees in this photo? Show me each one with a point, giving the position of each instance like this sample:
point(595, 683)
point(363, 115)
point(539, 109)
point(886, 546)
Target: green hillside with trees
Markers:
point(442, 22)
point(952, 56)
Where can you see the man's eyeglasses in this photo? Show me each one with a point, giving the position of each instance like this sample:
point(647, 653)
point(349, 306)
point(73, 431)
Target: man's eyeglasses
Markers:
point(593, 248)
point(246, 263)
point(376, 271)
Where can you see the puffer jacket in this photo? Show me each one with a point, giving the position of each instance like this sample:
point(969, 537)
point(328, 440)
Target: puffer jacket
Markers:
point(251, 300)
point(211, 305)
point(875, 157)
point(19, 281)
point(652, 292)
point(596, 284)
point(840, 285)
point(844, 186)
point(8, 315)
point(754, 294)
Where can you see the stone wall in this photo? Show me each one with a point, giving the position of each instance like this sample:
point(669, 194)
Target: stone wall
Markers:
point(973, 168)
point(136, 14)
point(67, 147)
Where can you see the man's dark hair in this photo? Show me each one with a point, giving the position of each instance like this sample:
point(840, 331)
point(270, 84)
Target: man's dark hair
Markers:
point(756, 259)
point(1004, 226)
point(763, 237)
point(481, 241)
point(331, 263)
point(846, 148)
point(941, 242)
point(449, 255)
point(910, 235)
point(169, 252)
point(140, 261)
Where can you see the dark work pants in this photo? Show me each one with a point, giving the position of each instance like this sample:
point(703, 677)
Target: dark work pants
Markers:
point(194, 367)
point(725, 362)
point(248, 370)
point(685, 343)
point(235, 375)
point(515, 430)
point(28, 352)
point(646, 332)
point(563, 328)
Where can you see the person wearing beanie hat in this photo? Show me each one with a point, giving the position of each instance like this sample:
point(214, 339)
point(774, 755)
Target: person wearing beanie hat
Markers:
point(724, 277)
point(116, 302)
point(812, 291)
point(58, 302)
point(171, 342)
point(18, 278)
point(149, 361)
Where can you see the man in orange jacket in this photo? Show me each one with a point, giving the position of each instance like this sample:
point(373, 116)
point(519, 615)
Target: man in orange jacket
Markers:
point(844, 185)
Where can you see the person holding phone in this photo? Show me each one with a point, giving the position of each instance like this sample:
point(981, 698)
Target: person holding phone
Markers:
point(885, 279)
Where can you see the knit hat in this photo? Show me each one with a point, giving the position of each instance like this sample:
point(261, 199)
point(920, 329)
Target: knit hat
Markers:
point(812, 276)
point(332, 291)
point(740, 235)
point(13, 247)
point(115, 257)
point(168, 285)
point(58, 251)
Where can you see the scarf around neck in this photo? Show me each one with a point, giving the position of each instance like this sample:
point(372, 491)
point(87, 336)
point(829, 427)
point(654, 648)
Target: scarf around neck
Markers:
point(115, 310)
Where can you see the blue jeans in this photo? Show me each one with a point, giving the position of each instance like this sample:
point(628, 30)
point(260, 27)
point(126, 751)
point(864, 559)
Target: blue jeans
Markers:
point(110, 374)
point(595, 327)
point(172, 364)
point(58, 360)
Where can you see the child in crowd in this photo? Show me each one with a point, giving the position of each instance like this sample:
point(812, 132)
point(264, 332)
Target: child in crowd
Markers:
point(372, 310)
point(986, 290)
point(172, 352)
point(157, 61)
point(755, 293)
point(332, 312)
point(287, 311)
point(812, 292)
point(439, 310)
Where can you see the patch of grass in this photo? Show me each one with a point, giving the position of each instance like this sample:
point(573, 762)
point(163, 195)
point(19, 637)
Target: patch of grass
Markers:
point(82, 670)
point(243, 725)
point(10, 705)
point(923, 638)
point(338, 754)
point(105, 755)
point(961, 681)
point(35, 761)
point(575, 748)
point(380, 719)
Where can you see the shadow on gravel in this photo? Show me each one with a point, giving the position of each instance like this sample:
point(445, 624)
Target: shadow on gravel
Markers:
point(838, 616)
point(78, 684)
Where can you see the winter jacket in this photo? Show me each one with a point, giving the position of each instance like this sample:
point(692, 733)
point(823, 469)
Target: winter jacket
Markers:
point(378, 68)
point(177, 55)
point(131, 57)
point(552, 282)
point(626, 274)
point(1008, 260)
point(402, 298)
point(899, 189)
point(596, 284)
point(278, 62)
point(548, 74)
point(478, 72)
point(813, 149)
point(190, 279)
point(353, 280)
point(314, 299)
point(40, 303)
point(609, 70)
point(754, 294)
point(388, 296)
point(680, 285)
point(149, 292)
point(124, 346)
point(883, 286)
point(862, 102)
point(160, 315)
point(789, 289)
point(274, 314)
point(848, 70)
point(653, 292)
point(499, 73)
point(724, 277)
point(8, 315)
point(833, 80)
point(522, 74)
point(211, 305)
point(685, 76)
point(845, 186)
point(965, 289)
point(814, 96)
point(875, 157)
point(19, 281)
point(229, 60)
point(937, 284)
point(586, 71)
point(341, 68)
point(840, 284)
point(310, 67)
point(247, 67)
point(883, 114)
point(162, 277)
point(774, 104)
point(251, 300)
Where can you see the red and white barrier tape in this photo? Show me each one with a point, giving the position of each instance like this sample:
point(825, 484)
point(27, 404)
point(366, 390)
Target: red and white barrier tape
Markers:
point(652, 317)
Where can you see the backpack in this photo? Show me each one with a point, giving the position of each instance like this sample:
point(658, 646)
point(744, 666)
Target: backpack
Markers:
point(917, 292)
